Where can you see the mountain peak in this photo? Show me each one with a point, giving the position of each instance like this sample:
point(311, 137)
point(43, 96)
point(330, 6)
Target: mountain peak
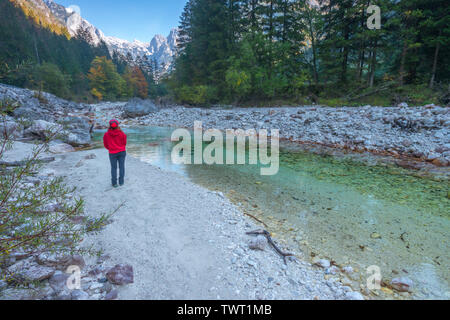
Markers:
point(160, 48)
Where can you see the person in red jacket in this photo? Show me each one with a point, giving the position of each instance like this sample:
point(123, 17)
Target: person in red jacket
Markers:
point(115, 141)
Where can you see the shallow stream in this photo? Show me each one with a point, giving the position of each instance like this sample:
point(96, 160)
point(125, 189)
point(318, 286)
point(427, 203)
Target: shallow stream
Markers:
point(348, 211)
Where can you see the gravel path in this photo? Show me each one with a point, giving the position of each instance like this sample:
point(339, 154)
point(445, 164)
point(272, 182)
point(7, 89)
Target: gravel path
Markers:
point(183, 241)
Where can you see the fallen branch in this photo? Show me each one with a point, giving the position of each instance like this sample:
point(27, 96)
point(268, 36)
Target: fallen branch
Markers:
point(24, 163)
point(255, 218)
point(265, 233)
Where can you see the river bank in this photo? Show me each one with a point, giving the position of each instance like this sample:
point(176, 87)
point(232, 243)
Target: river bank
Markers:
point(183, 241)
point(302, 209)
point(417, 134)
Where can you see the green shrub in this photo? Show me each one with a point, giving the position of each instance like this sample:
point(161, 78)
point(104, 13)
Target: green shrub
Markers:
point(196, 95)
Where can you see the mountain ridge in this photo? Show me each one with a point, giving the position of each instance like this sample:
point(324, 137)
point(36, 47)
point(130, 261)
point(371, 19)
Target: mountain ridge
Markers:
point(162, 49)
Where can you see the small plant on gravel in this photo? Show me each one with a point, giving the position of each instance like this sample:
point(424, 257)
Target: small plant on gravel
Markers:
point(37, 215)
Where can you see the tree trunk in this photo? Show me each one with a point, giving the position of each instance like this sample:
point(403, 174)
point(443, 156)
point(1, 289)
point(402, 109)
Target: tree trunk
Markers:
point(313, 45)
point(402, 63)
point(436, 55)
point(36, 50)
point(362, 51)
point(345, 57)
point(373, 65)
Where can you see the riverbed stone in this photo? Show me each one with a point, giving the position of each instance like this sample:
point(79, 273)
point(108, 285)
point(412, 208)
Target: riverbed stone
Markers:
point(402, 284)
point(60, 148)
point(258, 243)
point(79, 295)
point(112, 295)
point(58, 282)
point(29, 270)
point(121, 274)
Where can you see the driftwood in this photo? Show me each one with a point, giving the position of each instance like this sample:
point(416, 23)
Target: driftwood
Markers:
point(256, 219)
point(265, 233)
point(24, 163)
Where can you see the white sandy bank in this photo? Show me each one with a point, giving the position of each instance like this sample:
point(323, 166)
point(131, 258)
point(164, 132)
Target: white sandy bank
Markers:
point(183, 241)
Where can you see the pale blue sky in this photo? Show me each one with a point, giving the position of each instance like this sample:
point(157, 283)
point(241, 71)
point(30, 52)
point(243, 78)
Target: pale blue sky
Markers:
point(130, 19)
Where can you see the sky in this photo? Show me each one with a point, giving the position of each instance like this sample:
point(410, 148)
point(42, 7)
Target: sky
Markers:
point(130, 19)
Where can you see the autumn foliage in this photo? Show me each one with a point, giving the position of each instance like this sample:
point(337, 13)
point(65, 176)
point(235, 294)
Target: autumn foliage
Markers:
point(137, 84)
point(107, 83)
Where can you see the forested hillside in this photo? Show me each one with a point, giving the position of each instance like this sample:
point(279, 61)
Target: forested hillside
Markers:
point(242, 51)
point(37, 52)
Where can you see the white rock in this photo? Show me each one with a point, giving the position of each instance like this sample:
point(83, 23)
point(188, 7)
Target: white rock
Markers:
point(402, 284)
point(324, 263)
point(258, 243)
point(61, 148)
point(354, 296)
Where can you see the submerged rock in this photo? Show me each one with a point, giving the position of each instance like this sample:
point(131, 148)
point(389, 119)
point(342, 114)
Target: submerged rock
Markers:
point(402, 284)
point(324, 263)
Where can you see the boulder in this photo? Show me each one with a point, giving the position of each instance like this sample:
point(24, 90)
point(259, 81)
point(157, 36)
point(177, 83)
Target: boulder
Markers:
point(138, 108)
point(77, 138)
point(58, 281)
point(28, 270)
point(77, 131)
point(43, 129)
point(31, 110)
point(60, 148)
point(11, 129)
point(121, 274)
point(60, 262)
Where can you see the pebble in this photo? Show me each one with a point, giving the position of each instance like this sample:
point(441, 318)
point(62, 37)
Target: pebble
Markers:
point(121, 274)
point(112, 295)
point(324, 263)
point(352, 295)
point(258, 243)
point(79, 295)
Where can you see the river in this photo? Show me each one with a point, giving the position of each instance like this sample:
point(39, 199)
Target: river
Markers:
point(351, 212)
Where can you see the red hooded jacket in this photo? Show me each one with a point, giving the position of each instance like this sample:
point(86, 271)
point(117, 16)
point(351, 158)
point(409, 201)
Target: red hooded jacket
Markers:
point(115, 141)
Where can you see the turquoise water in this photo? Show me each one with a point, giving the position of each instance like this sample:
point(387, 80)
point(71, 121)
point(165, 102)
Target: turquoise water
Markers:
point(334, 207)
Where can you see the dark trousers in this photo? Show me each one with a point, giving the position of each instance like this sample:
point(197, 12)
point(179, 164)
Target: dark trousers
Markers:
point(118, 158)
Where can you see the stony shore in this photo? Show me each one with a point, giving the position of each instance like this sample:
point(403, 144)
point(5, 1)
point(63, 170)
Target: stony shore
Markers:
point(182, 242)
point(419, 133)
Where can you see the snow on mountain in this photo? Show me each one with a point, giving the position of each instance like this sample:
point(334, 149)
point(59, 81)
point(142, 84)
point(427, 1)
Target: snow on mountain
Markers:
point(160, 48)
point(74, 22)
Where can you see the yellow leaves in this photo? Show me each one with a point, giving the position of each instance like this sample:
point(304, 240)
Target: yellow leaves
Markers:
point(41, 18)
point(96, 94)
